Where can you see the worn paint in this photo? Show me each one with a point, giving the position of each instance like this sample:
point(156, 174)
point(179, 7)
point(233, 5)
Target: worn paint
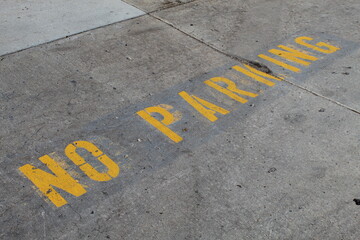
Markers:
point(90, 171)
point(162, 126)
point(45, 181)
point(207, 109)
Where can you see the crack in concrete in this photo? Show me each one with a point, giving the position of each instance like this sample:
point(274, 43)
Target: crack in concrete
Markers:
point(80, 217)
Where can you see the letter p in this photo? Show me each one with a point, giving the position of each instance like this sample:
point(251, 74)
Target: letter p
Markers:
point(168, 118)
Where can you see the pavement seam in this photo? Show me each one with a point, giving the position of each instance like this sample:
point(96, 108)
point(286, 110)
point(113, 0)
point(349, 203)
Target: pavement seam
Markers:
point(237, 58)
point(323, 97)
point(234, 57)
point(103, 26)
point(244, 60)
point(71, 35)
point(176, 4)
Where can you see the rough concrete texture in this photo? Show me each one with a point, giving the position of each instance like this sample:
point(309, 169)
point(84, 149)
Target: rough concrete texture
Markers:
point(283, 165)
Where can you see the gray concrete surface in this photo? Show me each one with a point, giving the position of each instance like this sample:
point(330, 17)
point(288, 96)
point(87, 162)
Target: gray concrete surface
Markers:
point(29, 23)
point(283, 165)
point(263, 22)
point(156, 5)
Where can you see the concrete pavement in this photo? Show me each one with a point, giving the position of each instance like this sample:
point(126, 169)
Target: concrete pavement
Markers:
point(192, 121)
point(30, 23)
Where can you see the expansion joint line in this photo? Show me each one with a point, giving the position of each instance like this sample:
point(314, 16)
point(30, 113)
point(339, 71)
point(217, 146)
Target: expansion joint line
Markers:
point(237, 58)
point(95, 28)
point(243, 60)
point(323, 97)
